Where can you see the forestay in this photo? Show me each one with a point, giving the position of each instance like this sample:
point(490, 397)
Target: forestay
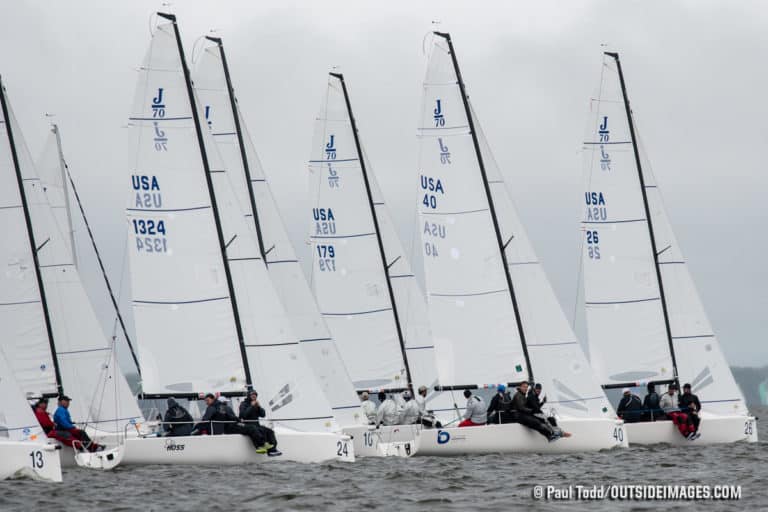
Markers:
point(473, 317)
point(183, 312)
point(348, 277)
point(625, 317)
point(86, 357)
point(283, 265)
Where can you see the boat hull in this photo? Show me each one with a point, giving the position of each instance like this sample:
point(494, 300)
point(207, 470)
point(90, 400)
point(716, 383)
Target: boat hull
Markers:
point(26, 459)
point(233, 449)
point(588, 435)
point(378, 442)
point(713, 430)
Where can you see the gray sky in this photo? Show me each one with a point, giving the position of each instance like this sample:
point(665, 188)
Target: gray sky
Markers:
point(695, 72)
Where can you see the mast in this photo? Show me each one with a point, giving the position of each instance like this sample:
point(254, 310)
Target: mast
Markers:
point(212, 196)
point(497, 229)
point(33, 245)
point(241, 144)
point(64, 172)
point(67, 178)
point(615, 56)
point(386, 266)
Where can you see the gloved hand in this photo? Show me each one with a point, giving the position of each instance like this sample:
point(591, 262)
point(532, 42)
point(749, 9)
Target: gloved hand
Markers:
point(195, 432)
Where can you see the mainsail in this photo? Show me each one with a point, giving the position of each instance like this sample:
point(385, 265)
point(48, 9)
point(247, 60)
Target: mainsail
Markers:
point(83, 355)
point(350, 280)
point(644, 316)
point(251, 331)
point(494, 314)
point(262, 217)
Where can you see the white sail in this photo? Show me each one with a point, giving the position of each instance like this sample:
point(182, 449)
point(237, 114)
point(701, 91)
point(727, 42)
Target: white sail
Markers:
point(411, 308)
point(700, 360)
point(17, 422)
point(627, 334)
point(557, 359)
point(25, 342)
point(185, 328)
point(51, 168)
point(630, 339)
point(283, 265)
point(473, 317)
point(347, 272)
point(86, 358)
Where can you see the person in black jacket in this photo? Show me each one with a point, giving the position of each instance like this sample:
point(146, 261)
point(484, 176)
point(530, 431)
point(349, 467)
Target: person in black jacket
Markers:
point(630, 407)
point(690, 404)
point(525, 415)
point(651, 404)
point(501, 404)
point(177, 420)
point(250, 413)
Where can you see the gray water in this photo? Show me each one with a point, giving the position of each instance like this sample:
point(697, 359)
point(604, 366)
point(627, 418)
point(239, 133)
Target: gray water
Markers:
point(491, 482)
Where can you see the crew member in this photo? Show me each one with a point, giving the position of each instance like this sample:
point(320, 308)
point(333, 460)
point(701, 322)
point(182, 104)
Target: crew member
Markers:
point(630, 407)
point(177, 420)
point(387, 413)
point(690, 405)
point(64, 424)
point(475, 414)
point(368, 407)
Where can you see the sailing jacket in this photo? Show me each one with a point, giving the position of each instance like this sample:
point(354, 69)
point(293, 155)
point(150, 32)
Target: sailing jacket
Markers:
point(500, 402)
point(688, 400)
point(476, 410)
point(250, 413)
point(520, 403)
point(369, 411)
point(62, 419)
point(630, 408)
point(410, 413)
point(44, 420)
point(669, 402)
point(387, 413)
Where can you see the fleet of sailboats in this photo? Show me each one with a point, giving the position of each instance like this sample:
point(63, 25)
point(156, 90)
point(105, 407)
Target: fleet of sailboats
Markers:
point(221, 304)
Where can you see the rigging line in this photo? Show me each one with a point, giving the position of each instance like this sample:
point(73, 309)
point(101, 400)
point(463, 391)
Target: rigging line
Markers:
point(112, 297)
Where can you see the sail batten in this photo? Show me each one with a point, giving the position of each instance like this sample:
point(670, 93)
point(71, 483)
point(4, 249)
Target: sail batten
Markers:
point(283, 367)
point(644, 318)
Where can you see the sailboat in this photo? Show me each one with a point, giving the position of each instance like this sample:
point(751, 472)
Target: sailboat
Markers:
point(25, 451)
point(495, 318)
point(645, 320)
point(206, 315)
point(214, 87)
point(53, 341)
point(364, 285)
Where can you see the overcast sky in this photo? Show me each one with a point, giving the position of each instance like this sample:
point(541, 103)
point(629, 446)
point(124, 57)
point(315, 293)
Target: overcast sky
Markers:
point(696, 74)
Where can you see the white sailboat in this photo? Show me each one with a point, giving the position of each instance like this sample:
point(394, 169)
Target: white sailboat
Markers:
point(197, 279)
point(364, 285)
point(53, 341)
point(645, 320)
point(495, 318)
point(216, 93)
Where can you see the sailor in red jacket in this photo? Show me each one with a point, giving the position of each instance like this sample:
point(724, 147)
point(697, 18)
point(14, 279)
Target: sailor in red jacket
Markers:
point(41, 413)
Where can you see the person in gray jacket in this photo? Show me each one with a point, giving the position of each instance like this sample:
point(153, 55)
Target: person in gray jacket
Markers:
point(475, 415)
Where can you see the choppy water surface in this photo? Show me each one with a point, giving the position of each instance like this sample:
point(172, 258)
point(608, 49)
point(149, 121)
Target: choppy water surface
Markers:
point(492, 482)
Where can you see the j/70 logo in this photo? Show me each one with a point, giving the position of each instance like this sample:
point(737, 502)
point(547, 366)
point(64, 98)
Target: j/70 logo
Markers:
point(443, 437)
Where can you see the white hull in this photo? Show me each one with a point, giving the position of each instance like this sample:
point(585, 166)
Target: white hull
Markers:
point(232, 449)
point(380, 442)
point(713, 430)
point(588, 435)
point(27, 459)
